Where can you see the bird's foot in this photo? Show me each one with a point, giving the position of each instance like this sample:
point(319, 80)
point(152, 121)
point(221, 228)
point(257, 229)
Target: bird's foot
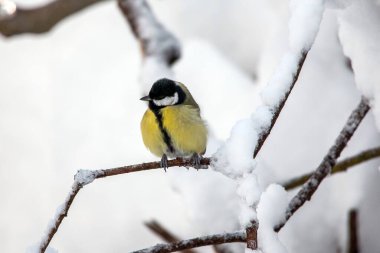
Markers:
point(164, 162)
point(196, 161)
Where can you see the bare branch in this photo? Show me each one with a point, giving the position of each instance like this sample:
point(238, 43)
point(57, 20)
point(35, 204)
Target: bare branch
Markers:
point(353, 229)
point(164, 233)
point(41, 19)
point(178, 162)
point(328, 161)
point(196, 242)
point(155, 227)
point(339, 167)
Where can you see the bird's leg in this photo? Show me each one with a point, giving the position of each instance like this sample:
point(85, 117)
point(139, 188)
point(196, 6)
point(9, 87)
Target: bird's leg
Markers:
point(196, 160)
point(164, 162)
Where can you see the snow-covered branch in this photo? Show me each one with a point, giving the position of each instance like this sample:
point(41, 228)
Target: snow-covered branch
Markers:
point(196, 242)
point(61, 213)
point(339, 167)
point(84, 177)
point(41, 19)
point(328, 162)
point(155, 39)
point(159, 46)
point(250, 134)
point(277, 108)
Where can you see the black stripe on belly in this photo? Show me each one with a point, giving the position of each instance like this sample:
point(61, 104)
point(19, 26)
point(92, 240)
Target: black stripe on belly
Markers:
point(166, 136)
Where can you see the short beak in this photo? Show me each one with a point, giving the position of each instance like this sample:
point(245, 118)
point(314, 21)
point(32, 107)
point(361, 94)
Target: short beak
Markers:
point(146, 98)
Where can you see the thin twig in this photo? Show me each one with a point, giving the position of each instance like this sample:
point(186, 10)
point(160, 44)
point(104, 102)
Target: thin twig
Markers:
point(169, 237)
point(60, 215)
point(328, 162)
point(164, 233)
point(196, 242)
point(178, 162)
point(353, 230)
point(277, 110)
point(41, 19)
point(155, 227)
point(339, 167)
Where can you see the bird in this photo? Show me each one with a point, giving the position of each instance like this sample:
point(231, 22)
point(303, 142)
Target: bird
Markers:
point(172, 125)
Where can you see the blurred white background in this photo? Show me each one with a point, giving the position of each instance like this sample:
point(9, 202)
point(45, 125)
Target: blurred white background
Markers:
point(69, 100)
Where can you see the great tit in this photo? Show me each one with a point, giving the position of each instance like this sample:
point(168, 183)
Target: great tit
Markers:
point(172, 125)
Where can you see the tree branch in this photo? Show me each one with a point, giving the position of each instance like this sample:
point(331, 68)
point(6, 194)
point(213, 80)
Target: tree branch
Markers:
point(41, 19)
point(60, 215)
point(158, 229)
point(328, 162)
point(154, 39)
point(196, 242)
point(277, 110)
point(252, 229)
point(155, 227)
point(84, 177)
point(353, 240)
point(339, 167)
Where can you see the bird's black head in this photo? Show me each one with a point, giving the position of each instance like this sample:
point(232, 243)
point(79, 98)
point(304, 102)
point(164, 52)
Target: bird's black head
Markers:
point(164, 92)
point(162, 88)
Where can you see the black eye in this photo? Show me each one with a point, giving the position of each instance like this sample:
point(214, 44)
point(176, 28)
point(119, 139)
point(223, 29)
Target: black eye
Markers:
point(160, 97)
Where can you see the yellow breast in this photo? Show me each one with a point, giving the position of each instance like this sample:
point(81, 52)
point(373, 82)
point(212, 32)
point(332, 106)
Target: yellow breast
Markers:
point(186, 129)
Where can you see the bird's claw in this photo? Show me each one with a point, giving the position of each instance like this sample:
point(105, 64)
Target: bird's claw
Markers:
point(196, 161)
point(164, 162)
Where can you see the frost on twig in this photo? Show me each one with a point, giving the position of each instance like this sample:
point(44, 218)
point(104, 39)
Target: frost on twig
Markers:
point(41, 19)
point(328, 162)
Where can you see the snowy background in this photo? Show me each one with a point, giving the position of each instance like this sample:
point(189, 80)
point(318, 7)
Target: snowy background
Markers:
point(69, 100)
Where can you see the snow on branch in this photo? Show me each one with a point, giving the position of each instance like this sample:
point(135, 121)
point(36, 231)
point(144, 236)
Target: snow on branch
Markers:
point(159, 47)
point(38, 20)
point(328, 162)
point(84, 177)
point(61, 213)
point(339, 167)
point(154, 39)
point(234, 158)
point(239, 236)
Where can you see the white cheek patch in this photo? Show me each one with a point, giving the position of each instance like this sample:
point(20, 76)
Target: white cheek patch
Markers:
point(167, 100)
